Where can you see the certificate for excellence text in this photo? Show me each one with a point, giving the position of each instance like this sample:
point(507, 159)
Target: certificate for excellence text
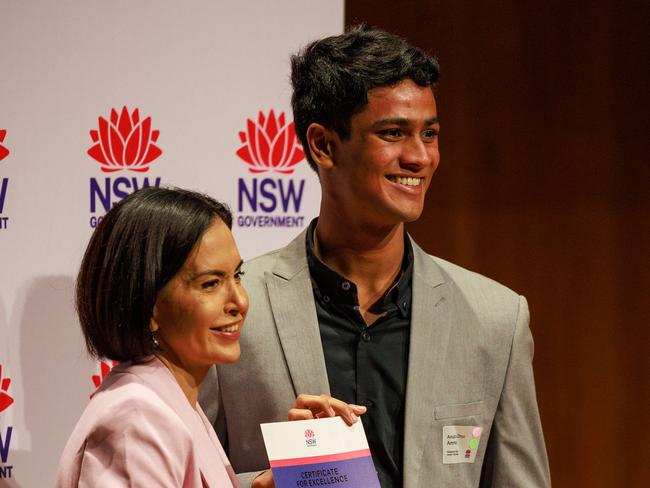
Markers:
point(322, 452)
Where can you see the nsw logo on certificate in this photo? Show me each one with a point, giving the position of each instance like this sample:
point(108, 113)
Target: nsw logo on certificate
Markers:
point(319, 452)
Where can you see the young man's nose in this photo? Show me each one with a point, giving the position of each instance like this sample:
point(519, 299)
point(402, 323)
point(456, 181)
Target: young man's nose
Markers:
point(418, 154)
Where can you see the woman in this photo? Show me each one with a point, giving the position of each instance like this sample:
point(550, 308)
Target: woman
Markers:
point(159, 290)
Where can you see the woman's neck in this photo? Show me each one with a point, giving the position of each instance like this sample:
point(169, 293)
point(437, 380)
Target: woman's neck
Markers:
point(189, 379)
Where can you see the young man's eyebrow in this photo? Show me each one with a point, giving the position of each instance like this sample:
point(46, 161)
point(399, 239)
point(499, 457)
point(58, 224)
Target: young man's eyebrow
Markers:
point(400, 121)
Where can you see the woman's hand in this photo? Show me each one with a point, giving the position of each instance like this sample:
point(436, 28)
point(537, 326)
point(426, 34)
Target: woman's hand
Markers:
point(264, 480)
point(318, 406)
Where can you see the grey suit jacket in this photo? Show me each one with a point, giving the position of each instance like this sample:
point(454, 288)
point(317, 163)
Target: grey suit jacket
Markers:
point(470, 363)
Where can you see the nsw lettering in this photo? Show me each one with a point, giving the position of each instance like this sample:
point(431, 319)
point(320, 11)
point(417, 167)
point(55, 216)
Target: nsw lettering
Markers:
point(268, 195)
point(3, 193)
point(5, 440)
point(106, 192)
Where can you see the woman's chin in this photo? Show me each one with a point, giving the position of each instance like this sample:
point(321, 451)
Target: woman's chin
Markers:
point(228, 357)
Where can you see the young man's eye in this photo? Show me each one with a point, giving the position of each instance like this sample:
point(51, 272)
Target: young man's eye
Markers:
point(238, 275)
point(429, 134)
point(391, 133)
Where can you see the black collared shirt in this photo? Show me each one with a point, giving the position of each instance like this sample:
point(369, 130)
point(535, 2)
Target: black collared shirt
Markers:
point(367, 365)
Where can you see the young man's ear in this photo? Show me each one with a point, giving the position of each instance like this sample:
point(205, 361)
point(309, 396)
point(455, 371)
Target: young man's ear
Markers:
point(319, 139)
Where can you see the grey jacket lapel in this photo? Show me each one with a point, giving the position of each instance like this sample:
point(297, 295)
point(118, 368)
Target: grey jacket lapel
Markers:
point(291, 296)
point(292, 302)
point(430, 327)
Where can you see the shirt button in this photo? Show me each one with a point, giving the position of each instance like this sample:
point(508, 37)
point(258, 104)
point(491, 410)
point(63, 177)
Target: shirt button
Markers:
point(326, 298)
point(365, 336)
point(367, 403)
point(345, 285)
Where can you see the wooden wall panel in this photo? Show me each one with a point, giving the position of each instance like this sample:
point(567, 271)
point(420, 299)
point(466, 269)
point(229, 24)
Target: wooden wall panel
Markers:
point(543, 185)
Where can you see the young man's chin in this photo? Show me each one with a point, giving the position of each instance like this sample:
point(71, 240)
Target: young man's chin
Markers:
point(411, 214)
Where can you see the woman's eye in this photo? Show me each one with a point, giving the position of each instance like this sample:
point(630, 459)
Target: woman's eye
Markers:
point(209, 284)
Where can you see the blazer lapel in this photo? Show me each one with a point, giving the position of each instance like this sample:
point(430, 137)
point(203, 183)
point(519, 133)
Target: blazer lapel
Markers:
point(292, 302)
point(206, 444)
point(430, 327)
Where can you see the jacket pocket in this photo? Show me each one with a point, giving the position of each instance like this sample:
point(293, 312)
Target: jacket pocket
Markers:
point(458, 410)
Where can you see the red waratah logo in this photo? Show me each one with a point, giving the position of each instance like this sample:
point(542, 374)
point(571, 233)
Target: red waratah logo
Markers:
point(309, 433)
point(104, 368)
point(4, 152)
point(270, 144)
point(124, 142)
point(5, 399)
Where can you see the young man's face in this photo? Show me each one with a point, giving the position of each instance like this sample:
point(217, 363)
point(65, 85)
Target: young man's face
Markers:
point(382, 171)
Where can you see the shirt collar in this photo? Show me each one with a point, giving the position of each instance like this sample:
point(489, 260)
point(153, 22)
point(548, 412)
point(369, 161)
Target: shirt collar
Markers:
point(329, 286)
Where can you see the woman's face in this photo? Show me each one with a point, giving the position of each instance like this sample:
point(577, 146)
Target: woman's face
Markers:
point(199, 314)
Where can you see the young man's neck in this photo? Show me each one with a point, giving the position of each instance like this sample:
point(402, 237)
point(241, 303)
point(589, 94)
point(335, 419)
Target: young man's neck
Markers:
point(371, 257)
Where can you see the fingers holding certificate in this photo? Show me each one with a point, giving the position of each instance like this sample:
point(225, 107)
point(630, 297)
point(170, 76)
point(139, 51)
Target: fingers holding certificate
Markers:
point(320, 406)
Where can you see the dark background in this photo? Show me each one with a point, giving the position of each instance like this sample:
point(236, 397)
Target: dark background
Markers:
point(543, 186)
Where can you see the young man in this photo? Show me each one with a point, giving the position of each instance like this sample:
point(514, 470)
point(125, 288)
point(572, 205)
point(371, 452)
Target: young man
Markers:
point(355, 309)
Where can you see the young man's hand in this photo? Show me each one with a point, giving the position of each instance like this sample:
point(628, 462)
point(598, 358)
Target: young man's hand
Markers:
point(318, 406)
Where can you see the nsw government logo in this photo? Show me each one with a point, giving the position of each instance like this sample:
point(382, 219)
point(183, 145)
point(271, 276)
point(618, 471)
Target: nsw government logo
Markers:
point(5, 433)
point(105, 366)
point(4, 152)
point(4, 182)
point(125, 142)
point(310, 438)
point(269, 196)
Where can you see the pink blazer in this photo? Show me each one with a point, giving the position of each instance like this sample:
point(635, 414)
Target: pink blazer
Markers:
point(139, 430)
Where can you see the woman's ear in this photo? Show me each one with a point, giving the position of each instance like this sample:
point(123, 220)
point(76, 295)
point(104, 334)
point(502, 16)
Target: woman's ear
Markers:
point(319, 139)
point(153, 322)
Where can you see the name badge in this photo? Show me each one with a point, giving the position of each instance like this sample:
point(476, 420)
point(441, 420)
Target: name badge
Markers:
point(460, 443)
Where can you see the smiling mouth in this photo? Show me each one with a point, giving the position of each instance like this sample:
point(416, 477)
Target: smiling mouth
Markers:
point(229, 328)
point(406, 181)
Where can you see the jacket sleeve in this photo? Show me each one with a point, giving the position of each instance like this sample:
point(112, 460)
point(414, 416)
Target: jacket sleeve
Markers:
point(516, 455)
point(140, 446)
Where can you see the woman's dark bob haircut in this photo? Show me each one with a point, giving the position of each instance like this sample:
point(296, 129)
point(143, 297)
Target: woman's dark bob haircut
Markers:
point(140, 244)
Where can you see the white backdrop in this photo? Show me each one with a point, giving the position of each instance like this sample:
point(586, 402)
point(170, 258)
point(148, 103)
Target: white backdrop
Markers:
point(199, 73)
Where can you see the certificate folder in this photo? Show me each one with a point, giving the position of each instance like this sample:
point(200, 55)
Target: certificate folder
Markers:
point(319, 453)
